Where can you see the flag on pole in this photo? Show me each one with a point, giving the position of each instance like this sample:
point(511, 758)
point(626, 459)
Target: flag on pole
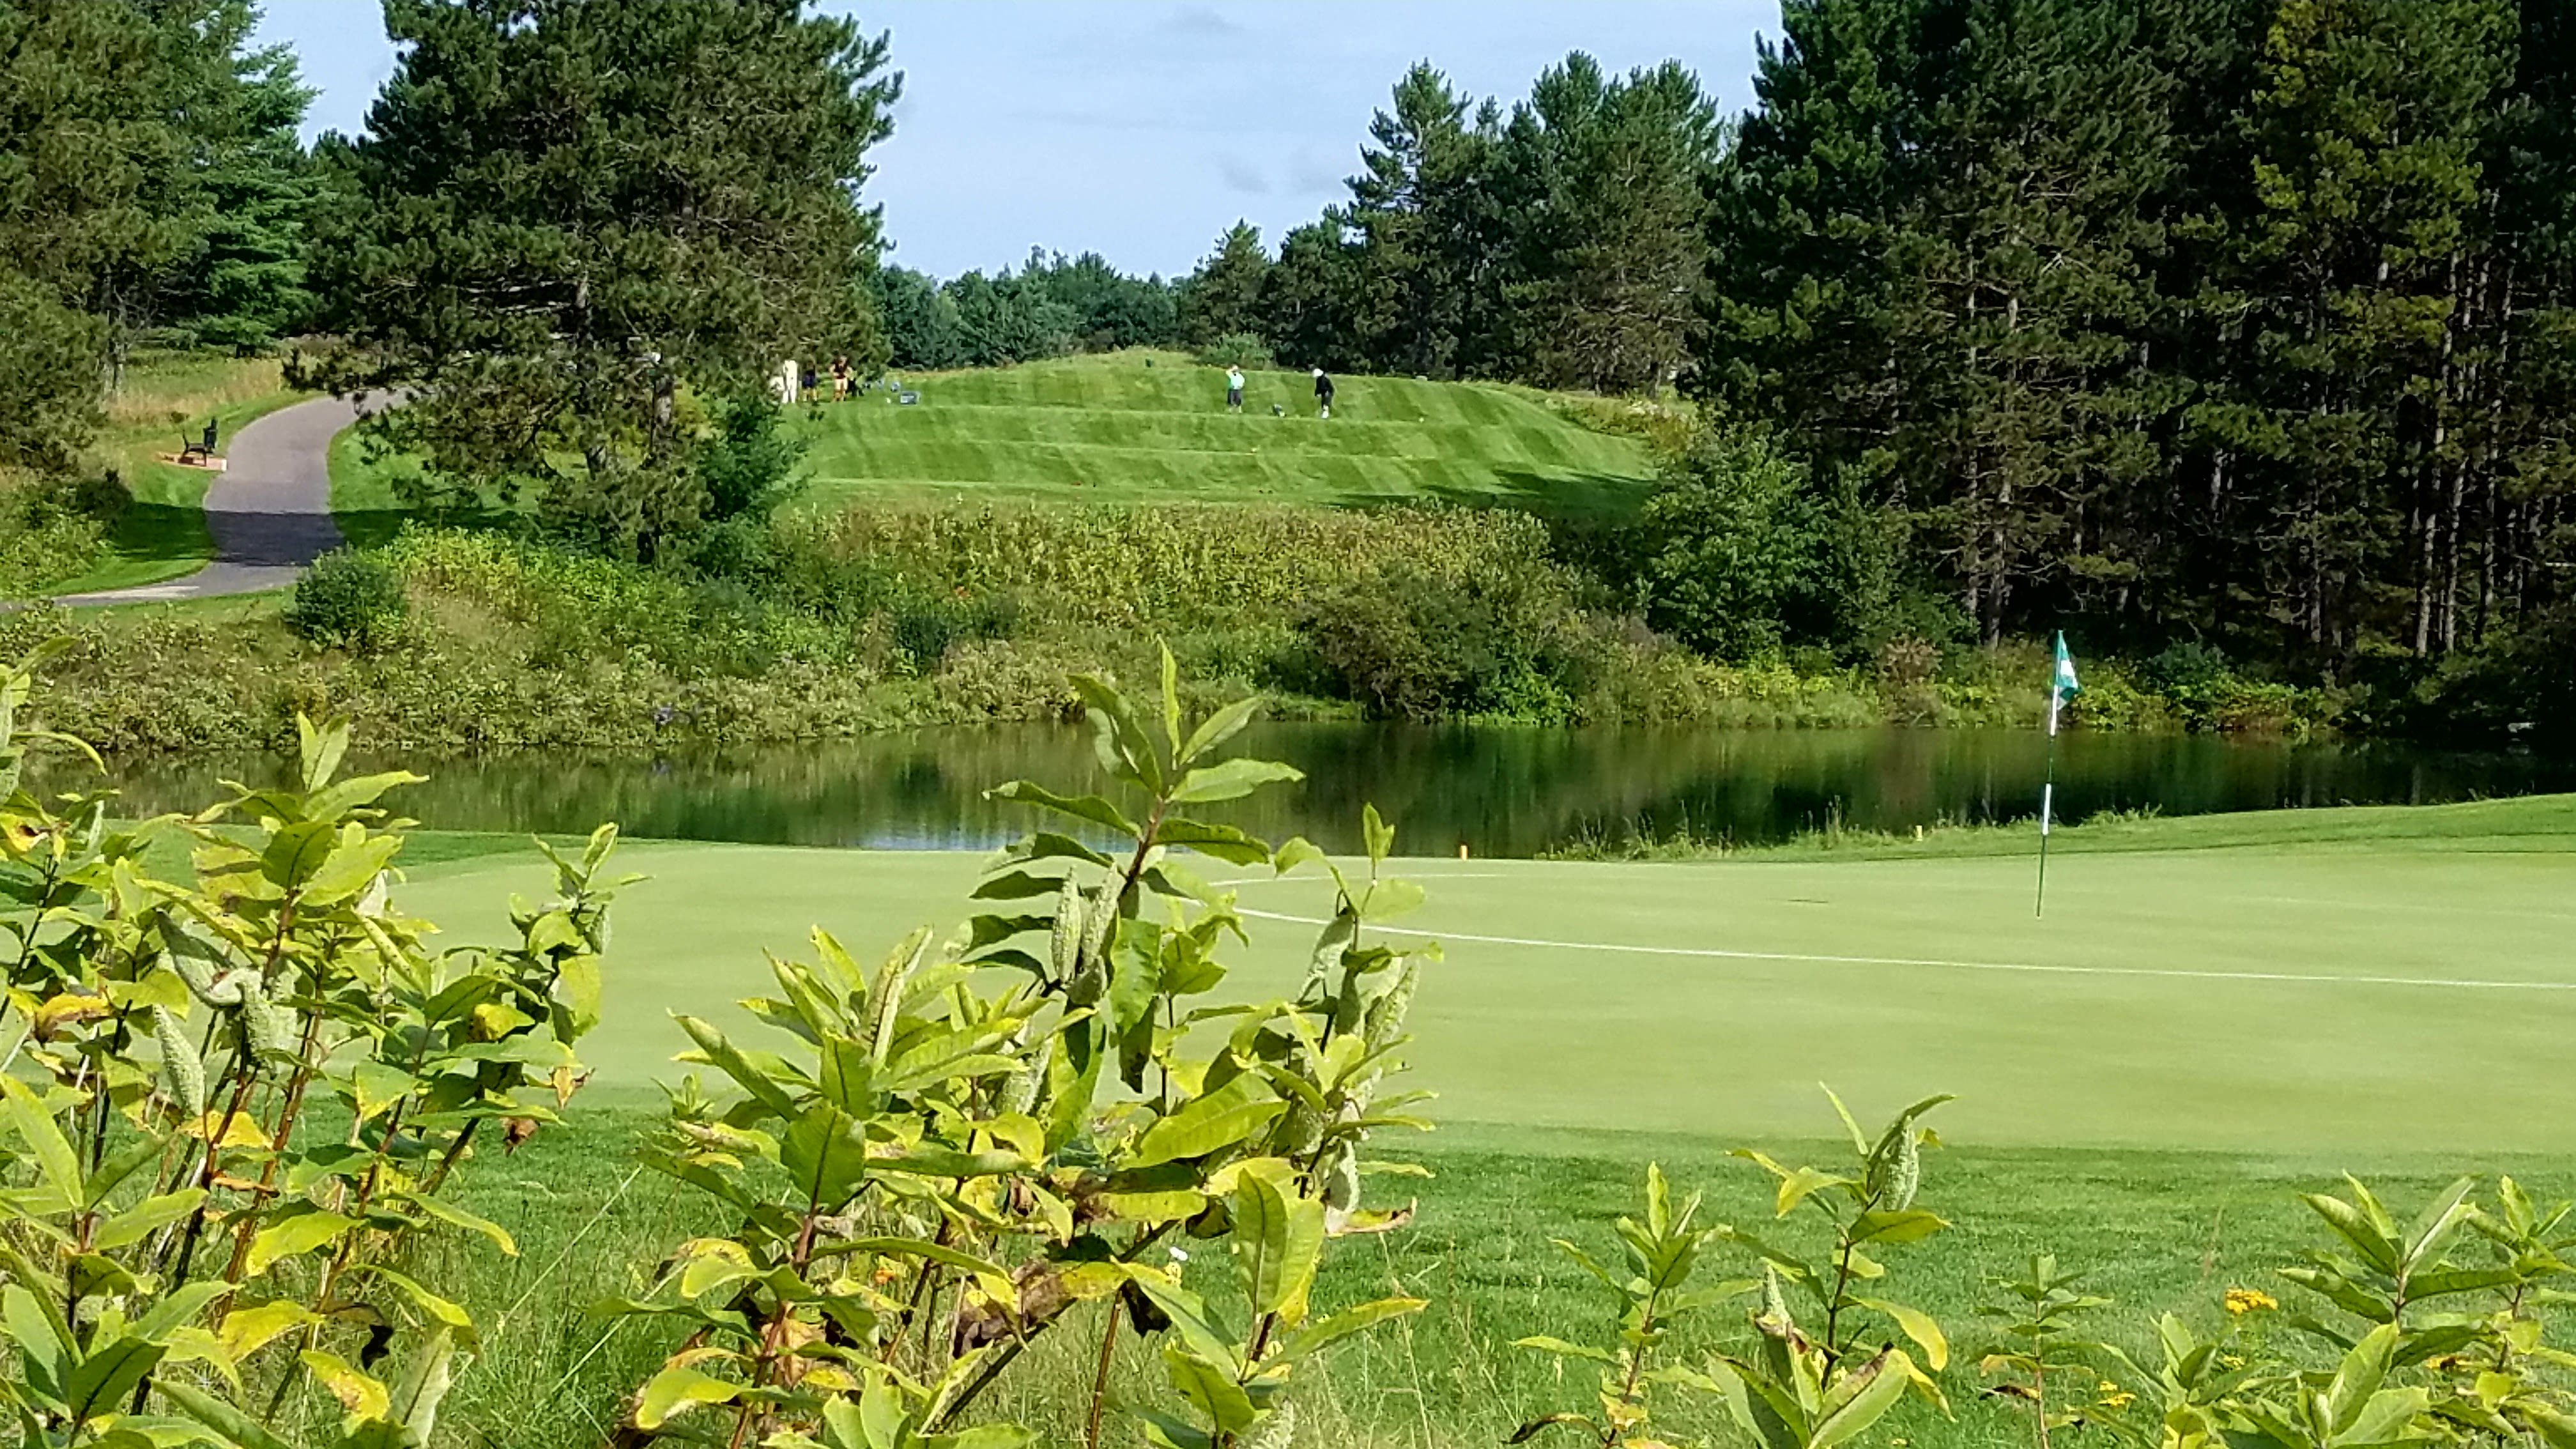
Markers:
point(2061, 681)
point(2061, 688)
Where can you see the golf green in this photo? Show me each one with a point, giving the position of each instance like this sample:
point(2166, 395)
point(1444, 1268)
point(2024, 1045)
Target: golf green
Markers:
point(2320, 1000)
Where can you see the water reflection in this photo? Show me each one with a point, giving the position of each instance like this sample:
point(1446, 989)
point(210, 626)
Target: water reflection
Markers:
point(1498, 791)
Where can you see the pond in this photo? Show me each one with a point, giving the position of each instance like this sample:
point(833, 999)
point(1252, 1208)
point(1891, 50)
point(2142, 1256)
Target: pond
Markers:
point(1506, 792)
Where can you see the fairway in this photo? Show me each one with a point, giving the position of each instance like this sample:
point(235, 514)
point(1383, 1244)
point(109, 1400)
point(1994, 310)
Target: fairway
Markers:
point(2294, 1000)
point(1142, 427)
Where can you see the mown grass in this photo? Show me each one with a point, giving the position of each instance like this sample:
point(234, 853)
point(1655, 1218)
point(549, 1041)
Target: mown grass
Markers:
point(1149, 427)
point(2156, 1231)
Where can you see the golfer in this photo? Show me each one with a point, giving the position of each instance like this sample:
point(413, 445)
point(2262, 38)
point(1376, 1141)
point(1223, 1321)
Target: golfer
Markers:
point(1234, 389)
point(1323, 394)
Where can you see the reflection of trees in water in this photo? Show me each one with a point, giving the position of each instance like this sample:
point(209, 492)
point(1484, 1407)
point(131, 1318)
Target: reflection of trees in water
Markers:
point(1500, 791)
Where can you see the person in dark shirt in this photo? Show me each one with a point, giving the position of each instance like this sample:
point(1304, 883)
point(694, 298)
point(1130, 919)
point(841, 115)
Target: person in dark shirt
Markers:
point(1323, 393)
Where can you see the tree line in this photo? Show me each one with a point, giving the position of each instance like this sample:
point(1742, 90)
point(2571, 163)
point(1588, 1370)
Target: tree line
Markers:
point(2234, 325)
point(152, 190)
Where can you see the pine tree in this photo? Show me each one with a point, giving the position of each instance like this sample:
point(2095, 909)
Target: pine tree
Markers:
point(1419, 209)
point(1223, 297)
point(2027, 264)
point(242, 285)
point(562, 213)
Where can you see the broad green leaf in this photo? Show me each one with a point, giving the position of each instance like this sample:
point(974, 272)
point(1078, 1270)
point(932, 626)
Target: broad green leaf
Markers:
point(2440, 1219)
point(2359, 1376)
point(246, 1331)
point(2353, 1225)
point(297, 851)
point(1222, 1118)
point(1918, 1326)
point(1119, 738)
point(1209, 1389)
point(825, 1152)
point(106, 1376)
point(1231, 780)
point(1912, 1225)
point(457, 1217)
point(1797, 1185)
point(1278, 1239)
point(676, 1390)
point(723, 1055)
point(1858, 1402)
point(432, 1306)
point(145, 1218)
point(1080, 807)
point(1323, 1334)
point(288, 1237)
point(45, 1141)
point(378, 1085)
point(361, 1393)
point(237, 1428)
point(1219, 727)
point(1189, 1315)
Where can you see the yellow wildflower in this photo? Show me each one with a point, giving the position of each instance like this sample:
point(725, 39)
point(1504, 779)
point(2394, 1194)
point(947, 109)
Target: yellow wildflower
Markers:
point(2247, 1300)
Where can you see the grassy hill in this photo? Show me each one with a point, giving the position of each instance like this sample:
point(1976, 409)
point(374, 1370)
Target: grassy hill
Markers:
point(1152, 427)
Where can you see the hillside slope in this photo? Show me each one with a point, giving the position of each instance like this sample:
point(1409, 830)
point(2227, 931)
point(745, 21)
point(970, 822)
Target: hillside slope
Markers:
point(1140, 427)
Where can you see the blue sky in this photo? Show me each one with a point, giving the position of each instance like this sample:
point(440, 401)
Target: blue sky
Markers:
point(1143, 128)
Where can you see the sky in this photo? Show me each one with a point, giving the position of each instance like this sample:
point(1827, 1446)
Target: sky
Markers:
point(1142, 129)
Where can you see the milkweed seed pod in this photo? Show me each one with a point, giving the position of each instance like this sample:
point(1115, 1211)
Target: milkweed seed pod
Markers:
point(886, 999)
point(1020, 1092)
point(1337, 936)
point(1906, 1174)
point(1775, 1305)
point(1072, 916)
point(1342, 1180)
point(1895, 1167)
point(182, 1074)
point(1279, 1431)
point(268, 1027)
point(1385, 1020)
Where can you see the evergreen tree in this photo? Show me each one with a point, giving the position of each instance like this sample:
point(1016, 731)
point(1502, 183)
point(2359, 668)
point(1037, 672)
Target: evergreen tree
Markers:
point(1420, 209)
point(1223, 297)
point(920, 320)
point(1315, 299)
point(242, 286)
point(564, 211)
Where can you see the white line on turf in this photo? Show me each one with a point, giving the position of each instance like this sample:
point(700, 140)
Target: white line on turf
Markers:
point(1715, 953)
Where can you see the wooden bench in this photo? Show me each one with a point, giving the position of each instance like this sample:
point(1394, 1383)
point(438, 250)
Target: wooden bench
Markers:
point(203, 450)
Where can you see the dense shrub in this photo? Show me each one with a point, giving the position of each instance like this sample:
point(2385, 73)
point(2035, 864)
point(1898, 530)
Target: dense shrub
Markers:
point(349, 598)
point(750, 462)
point(1237, 349)
point(53, 525)
point(1411, 642)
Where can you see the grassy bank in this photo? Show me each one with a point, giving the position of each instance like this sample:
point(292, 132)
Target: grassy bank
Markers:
point(139, 518)
point(1152, 427)
point(825, 625)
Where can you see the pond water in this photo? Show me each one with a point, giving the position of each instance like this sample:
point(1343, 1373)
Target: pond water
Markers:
point(1507, 792)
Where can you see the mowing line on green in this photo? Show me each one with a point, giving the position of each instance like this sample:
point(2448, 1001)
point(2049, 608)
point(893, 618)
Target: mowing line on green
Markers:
point(1721, 954)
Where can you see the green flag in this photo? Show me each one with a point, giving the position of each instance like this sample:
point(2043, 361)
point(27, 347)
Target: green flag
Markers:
point(2062, 683)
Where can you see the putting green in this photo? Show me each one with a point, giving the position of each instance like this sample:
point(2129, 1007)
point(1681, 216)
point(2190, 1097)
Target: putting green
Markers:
point(2343, 1000)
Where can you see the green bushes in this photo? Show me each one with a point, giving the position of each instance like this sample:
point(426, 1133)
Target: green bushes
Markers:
point(348, 598)
point(53, 526)
point(1413, 642)
point(1246, 350)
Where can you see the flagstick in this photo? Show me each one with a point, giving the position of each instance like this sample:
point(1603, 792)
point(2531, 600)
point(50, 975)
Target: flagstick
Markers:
point(2047, 798)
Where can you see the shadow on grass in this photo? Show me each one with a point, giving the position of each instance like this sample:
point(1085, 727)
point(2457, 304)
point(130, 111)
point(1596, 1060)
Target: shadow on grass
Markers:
point(376, 527)
point(152, 543)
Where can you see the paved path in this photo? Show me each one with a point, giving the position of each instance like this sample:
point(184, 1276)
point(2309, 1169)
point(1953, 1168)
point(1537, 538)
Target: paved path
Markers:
point(269, 510)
